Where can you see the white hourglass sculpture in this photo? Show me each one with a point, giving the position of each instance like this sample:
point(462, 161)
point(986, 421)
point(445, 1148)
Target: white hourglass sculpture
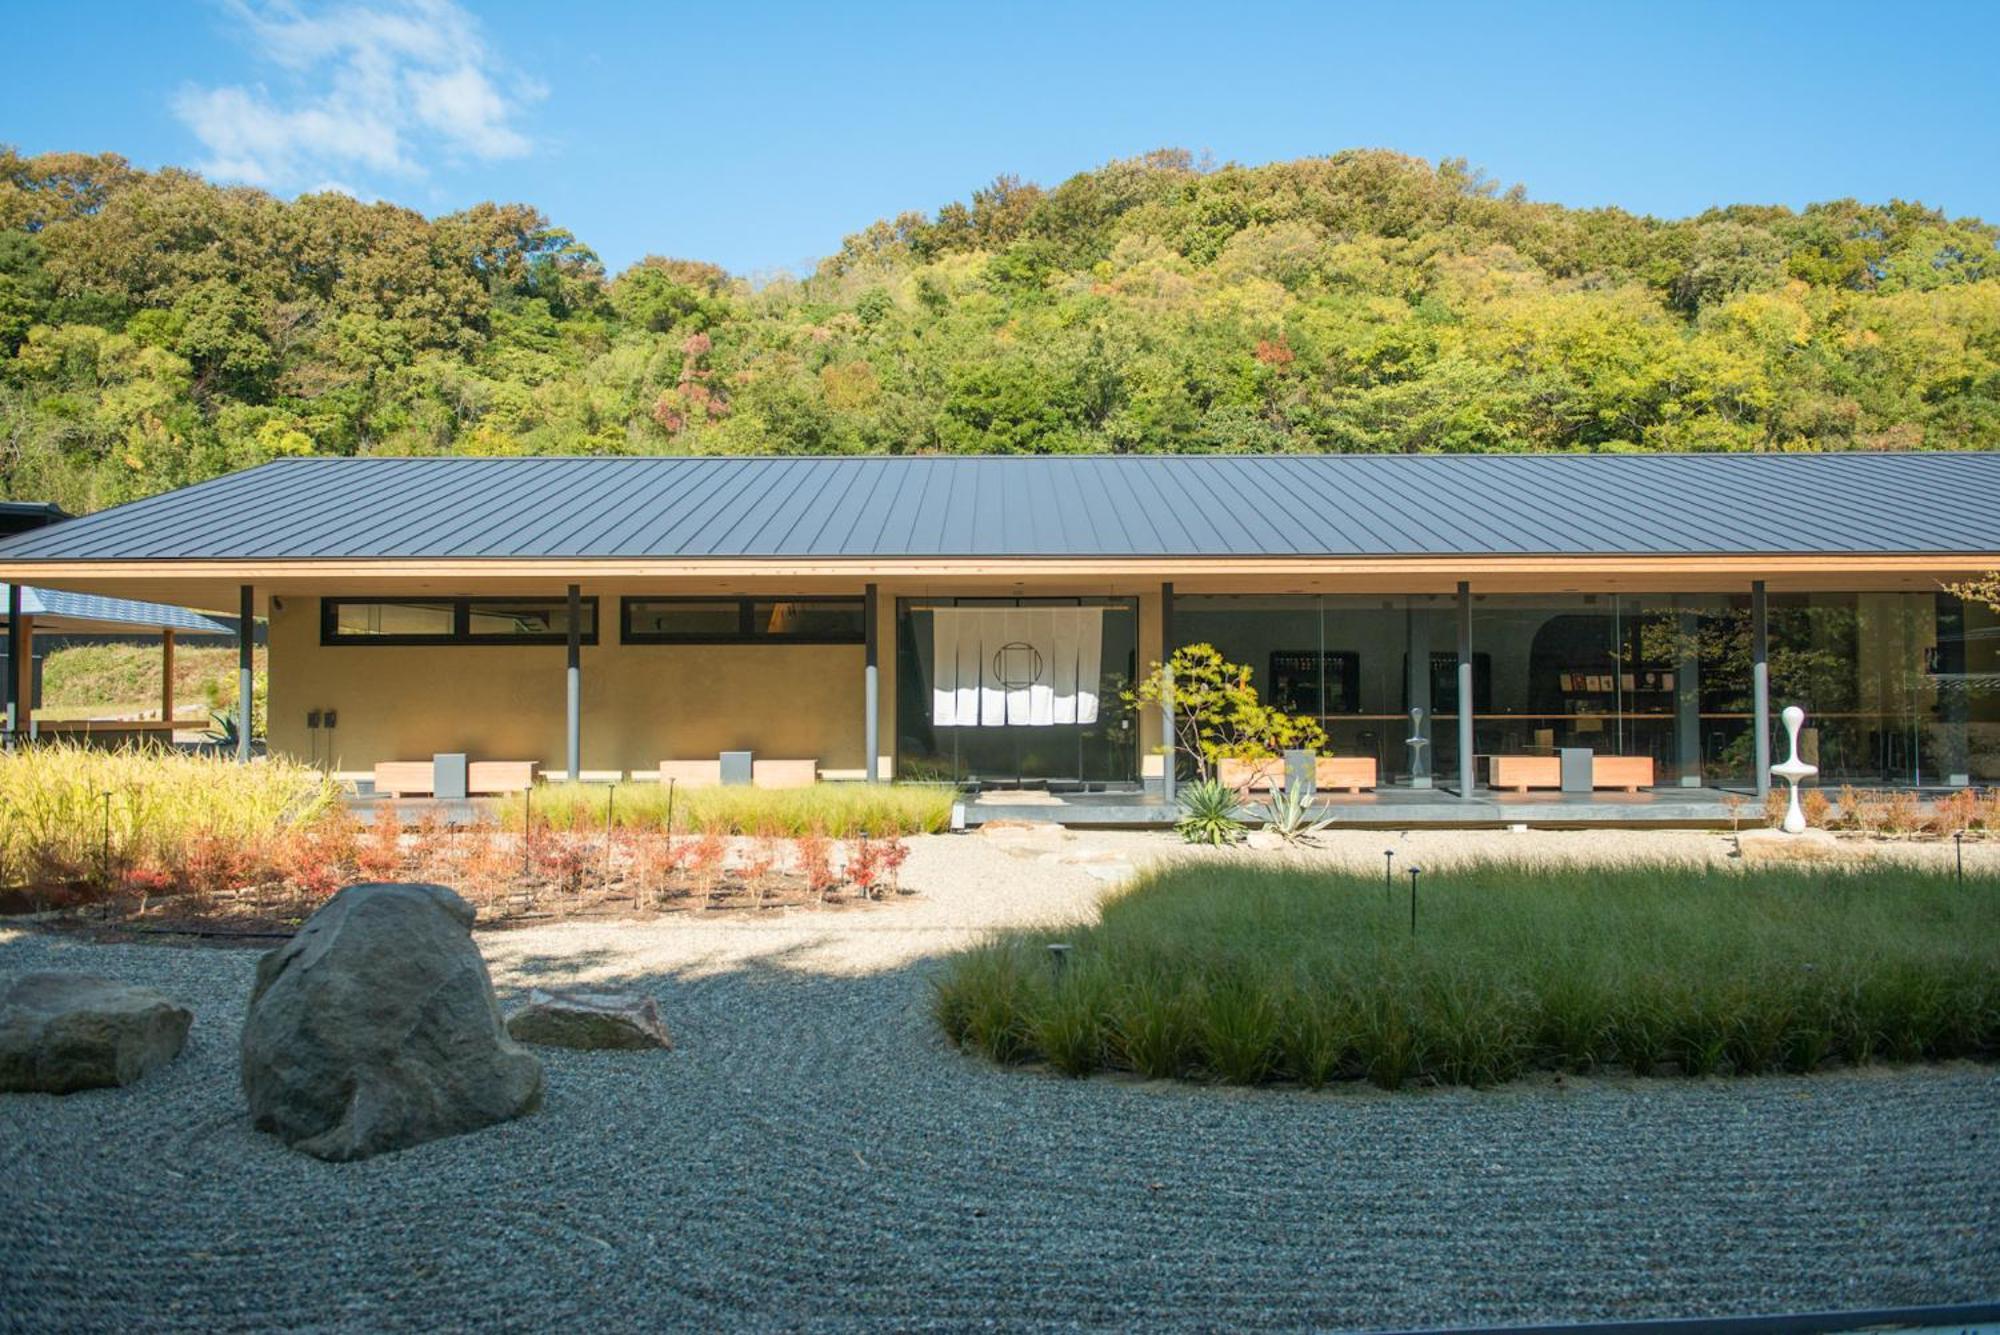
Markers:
point(1420, 775)
point(1793, 770)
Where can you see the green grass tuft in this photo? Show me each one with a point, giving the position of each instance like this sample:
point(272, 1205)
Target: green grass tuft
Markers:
point(1245, 974)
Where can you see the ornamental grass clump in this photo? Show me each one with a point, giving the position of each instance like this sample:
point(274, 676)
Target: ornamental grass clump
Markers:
point(1244, 973)
point(837, 810)
point(69, 814)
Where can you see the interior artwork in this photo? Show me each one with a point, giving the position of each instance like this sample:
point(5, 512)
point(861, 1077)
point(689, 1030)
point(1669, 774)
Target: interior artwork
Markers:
point(1015, 666)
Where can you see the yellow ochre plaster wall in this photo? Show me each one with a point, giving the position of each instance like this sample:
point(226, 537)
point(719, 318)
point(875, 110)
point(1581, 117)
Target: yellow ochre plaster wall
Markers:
point(641, 703)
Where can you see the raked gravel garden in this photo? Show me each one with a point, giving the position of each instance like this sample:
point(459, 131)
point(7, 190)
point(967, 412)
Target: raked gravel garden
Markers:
point(814, 1152)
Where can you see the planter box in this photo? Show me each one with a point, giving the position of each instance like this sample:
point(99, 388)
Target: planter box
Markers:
point(1246, 775)
point(1628, 772)
point(1521, 773)
point(1352, 773)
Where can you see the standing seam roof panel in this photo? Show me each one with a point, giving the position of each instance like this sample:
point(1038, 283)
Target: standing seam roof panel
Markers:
point(1310, 505)
point(700, 484)
point(1288, 529)
point(563, 496)
point(1583, 525)
point(570, 511)
point(402, 491)
point(144, 526)
point(1427, 518)
point(813, 531)
point(1336, 509)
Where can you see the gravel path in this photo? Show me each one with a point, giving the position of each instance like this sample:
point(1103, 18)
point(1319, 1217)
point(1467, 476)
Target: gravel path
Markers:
point(812, 1154)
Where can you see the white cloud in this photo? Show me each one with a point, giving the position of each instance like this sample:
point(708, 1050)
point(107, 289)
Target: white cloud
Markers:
point(382, 87)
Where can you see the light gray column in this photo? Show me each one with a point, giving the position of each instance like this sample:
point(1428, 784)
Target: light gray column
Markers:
point(1167, 695)
point(1465, 764)
point(871, 697)
point(574, 756)
point(246, 638)
point(13, 663)
point(1417, 686)
point(1760, 684)
point(1687, 691)
point(1953, 698)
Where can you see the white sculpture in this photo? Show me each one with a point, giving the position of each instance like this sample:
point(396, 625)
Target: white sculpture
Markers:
point(1794, 770)
point(1420, 776)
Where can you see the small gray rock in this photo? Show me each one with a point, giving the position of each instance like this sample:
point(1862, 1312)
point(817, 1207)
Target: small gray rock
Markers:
point(589, 1020)
point(1812, 846)
point(375, 1029)
point(61, 1032)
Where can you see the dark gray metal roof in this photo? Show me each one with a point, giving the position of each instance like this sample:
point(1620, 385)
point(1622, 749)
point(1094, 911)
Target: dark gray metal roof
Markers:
point(113, 614)
point(1061, 506)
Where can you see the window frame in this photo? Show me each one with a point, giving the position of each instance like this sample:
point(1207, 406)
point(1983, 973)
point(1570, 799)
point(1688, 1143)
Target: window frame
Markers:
point(461, 621)
point(745, 623)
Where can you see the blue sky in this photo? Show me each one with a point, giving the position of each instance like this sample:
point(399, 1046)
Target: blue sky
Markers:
point(756, 136)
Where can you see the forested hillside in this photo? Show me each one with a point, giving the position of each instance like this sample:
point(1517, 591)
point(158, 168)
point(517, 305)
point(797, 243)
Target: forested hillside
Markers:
point(156, 329)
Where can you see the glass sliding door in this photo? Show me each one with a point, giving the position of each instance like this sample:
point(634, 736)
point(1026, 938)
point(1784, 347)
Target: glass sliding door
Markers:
point(1899, 688)
point(1578, 671)
point(1013, 711)
point(1879, 677)
point(1360, 665)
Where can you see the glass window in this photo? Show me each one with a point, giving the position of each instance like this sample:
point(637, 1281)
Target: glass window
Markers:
point(1379, 673)
point(453, 621)
point(799, 620)
point(531, 619)
point(692, 619)
point(357, 620)
point(808, 619)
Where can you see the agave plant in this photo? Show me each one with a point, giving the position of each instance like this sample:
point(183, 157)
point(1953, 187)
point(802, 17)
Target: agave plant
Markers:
point(1289, 816)
point(1210, 813)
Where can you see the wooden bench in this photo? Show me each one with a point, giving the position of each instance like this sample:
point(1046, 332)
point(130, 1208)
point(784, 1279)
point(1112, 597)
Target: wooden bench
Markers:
point(763, 773)
point(784, 773)
point(691, 773)
point(404, 778)
point(1521, 773)
point(483, 778)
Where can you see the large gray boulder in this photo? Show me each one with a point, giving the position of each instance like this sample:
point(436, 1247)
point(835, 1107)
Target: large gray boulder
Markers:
point(375, 1029)
point(61, 1032)
point(589, 1020)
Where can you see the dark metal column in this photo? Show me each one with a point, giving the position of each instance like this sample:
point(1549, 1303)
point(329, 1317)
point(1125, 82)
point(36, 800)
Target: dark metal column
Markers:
point(13, 662)
point(871, 687)
point(574, 751)
point(1169, 756)
point(246, 640)
point(1760, 684)
point(1465, 765)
